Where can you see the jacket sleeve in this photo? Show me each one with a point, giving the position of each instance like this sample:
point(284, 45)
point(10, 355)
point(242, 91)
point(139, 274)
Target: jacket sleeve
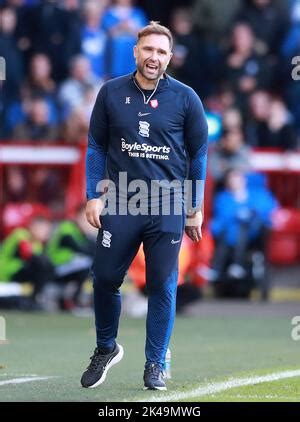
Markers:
point(97, 146)
point(196, 140)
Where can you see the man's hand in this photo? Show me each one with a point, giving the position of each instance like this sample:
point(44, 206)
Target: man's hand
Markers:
point(93, 210)
point(193, 226)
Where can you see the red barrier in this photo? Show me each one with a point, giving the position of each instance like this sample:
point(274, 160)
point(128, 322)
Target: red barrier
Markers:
point(70, 159)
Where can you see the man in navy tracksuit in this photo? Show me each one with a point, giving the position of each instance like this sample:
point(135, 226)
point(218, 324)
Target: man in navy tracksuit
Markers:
point(147, 130)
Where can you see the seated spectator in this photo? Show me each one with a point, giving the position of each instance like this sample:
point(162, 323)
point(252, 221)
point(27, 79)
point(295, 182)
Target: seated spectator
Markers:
point(232, 120)
point(291, 48)
point(267, 20)
point(291, 41)
point(94, 38)
point(72, 91)
point(71, 249)
point(230, 152)
point(245, 70)
point(43, 182)
point(22, 258)
point(36, 126)
point(258, 115)
point(75, 128)
point(240, 216)
point(16, 184)
point(221, 101)
point(191, 47)
point(214, 17)
point(9, 90)
point(281, 130)
point(53, 33)
point(39, 81)
point(122, 21)
point(271, 124)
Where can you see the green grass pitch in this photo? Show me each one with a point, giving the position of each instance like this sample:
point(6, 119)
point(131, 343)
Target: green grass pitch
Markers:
point(205, 350)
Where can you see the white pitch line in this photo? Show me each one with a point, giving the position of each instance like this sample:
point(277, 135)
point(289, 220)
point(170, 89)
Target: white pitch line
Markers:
point(217, 387)
point(17, 375)
point(22, 380)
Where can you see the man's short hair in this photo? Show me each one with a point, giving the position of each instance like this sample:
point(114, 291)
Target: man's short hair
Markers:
point(155, 27)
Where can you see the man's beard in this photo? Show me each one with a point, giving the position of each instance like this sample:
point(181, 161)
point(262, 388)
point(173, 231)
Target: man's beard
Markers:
point(154, 77)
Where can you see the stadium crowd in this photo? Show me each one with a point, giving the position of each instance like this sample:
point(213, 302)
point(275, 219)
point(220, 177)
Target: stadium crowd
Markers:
point(237, 55)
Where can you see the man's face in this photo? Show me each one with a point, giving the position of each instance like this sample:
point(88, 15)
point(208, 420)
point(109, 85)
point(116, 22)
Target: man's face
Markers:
point(152, 55)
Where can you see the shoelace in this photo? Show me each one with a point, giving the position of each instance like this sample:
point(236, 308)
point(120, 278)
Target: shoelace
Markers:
point(155, 370)
point(97, 359)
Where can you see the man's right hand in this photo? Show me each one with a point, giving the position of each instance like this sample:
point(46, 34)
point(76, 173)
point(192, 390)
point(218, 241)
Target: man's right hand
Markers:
point(93, 211)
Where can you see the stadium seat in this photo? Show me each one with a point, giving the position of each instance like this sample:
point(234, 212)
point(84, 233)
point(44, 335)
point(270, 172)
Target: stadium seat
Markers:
point(19, 214)
point(284, 242)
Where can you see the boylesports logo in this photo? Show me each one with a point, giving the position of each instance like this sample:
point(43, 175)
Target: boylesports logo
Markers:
point(144, 150)
point(143, 147)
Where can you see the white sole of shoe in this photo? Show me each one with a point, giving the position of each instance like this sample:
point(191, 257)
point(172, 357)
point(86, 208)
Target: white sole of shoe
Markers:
point(115, 360)
point(156, 388)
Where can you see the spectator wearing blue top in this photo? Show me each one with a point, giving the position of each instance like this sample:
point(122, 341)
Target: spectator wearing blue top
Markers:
point(122, 21)
point(240, 218)
point(94, 38)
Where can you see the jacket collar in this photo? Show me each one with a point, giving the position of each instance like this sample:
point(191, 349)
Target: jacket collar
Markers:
point(162, 84)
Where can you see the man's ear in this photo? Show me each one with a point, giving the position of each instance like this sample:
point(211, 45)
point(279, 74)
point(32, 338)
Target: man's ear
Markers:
point(171, 55)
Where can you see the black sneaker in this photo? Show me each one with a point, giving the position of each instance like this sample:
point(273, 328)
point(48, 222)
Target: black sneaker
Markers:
point(96, 372)
point(153, 378)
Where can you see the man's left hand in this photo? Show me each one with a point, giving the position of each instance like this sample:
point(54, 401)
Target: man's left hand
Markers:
point(193, 226)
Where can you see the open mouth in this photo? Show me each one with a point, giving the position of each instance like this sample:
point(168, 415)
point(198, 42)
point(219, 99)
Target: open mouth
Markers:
point(151, 67)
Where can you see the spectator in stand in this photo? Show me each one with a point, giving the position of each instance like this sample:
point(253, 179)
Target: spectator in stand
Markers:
point(230, 152)
point(70, 250)
point(240, 217)
point(39, 81)
point(232, 120)
point(291, 42)
point(291, 48)
point(271, 124)
point(268, 22)
point(122, 21)
point(281, 131)
point(223, 100)
point(44, 182)
point(257, 117)
point(191, 47)
point(23, 28)
point(245, 71)
point(54, 34)
point(94, 38)
point(72, 92)
point(22, 258)
point(16, 182)
point(214, 17)
point(36, 127)
point(75, 128)
point(157, 10)
point(9, 50)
